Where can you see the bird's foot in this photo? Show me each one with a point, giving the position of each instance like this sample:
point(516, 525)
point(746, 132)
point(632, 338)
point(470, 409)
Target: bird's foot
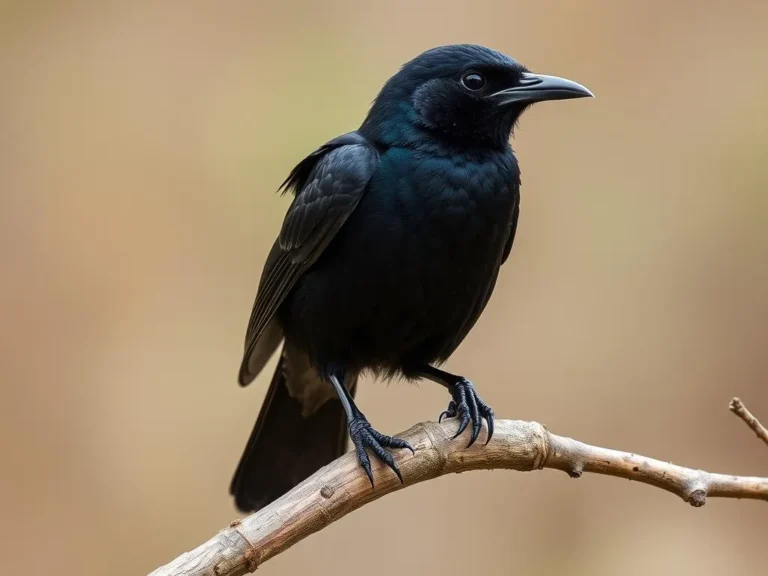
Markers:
point(468, 406)
point(364, 436)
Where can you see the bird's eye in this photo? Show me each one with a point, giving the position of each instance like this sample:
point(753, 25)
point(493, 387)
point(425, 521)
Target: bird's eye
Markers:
point(473, 81)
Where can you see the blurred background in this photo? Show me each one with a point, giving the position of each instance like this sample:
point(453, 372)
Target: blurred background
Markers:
point(141, 145)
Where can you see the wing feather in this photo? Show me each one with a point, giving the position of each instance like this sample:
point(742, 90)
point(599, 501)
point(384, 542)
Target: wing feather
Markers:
point(327, 185)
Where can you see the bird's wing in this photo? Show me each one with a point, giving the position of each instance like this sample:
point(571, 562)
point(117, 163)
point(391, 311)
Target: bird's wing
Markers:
point(327, 185)
point(512, 230)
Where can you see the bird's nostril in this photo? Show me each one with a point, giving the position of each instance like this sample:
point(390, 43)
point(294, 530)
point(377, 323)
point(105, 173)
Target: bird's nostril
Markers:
point(529, 80)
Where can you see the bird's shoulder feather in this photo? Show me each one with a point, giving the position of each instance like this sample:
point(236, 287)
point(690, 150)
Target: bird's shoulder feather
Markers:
point(327, 186)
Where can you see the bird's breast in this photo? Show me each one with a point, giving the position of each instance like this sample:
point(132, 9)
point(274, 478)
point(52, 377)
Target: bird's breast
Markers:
point(438, 224)
point(452, 207)
point(413, 266)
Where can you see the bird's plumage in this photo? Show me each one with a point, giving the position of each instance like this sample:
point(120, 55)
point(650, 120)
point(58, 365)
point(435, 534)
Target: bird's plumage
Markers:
point(292, 437)
point(386, 259)
point(327, 185)
point(409, 273)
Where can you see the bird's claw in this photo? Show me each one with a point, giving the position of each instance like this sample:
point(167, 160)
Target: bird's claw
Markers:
point(364, 436)
point(468, 407)
point(449, 412)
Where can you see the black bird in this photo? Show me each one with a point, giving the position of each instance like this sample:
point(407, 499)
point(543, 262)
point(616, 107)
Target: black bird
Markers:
point(385, 260)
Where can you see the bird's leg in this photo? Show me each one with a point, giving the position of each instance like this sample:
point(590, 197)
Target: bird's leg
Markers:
point(466, 404)
point(364, 436)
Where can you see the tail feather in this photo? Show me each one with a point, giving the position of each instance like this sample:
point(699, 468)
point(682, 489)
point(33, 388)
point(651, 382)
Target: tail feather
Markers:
point(285, 447)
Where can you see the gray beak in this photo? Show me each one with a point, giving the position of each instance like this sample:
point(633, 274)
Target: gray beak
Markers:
point(539, 87)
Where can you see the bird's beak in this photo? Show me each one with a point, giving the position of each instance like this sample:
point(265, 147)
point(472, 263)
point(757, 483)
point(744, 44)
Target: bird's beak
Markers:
point(539, 87)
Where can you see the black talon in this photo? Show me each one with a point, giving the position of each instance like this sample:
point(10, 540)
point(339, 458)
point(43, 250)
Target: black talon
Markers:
point(449, 412)
point(460, 398)
point(390, 441)
point(474, 415)
point(489, 419)
point(364, 436)
point(390, 461)
point(467, 406)
point(365, 463)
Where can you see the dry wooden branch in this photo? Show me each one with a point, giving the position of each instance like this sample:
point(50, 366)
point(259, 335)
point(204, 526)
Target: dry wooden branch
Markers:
point(738, 408)
point(341, 487)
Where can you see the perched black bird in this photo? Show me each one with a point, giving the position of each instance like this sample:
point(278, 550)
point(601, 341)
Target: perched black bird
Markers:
point(386, 259)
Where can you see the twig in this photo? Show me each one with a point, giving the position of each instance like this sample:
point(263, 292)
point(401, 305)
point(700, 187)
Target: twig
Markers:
point(738, 408)
point(341, 487)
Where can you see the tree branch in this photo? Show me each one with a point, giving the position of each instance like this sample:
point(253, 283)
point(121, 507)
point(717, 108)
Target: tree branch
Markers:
point(738, 408)
point(341, 487)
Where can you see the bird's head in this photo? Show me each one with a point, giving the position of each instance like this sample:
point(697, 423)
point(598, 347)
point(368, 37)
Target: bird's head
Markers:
point(461, 94)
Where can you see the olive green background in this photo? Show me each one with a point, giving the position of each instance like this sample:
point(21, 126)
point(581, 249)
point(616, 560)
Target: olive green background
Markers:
point(140, 147)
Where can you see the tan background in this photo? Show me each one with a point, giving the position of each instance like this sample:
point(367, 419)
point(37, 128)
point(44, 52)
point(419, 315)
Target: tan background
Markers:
point(140, 145)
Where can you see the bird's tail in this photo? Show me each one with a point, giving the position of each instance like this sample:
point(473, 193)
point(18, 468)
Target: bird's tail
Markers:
point(286, 447)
